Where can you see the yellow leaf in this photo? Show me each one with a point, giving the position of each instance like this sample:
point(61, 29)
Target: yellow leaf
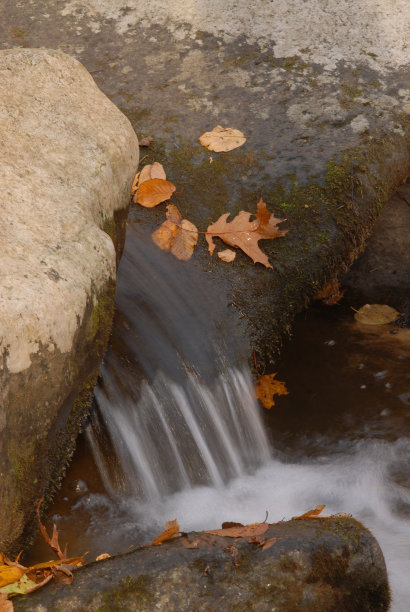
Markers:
point(266, 387)
point(227, 255)
point(171, 532)
point(176, 235)
point(103, 555)
point(154, 191)
point(9, 574)
point(376, 314)
point(222, 139)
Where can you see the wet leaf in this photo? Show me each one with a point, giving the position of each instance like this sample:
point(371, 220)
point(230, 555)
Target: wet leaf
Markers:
point(222, 139)
point(53, 541)
point(8, 574)
point(310, 514)
point(243, 233)
point(331, 293)
point(266, 387)
point(135, 183)
point(376, 314)
point(171, 532)
point(154, 191)
point(73, 562)
point(103, 556)
point(19, 587)
point(241, 532)
point(227, 255)
point(145, 142)
point(228, 524)
point(176, 235)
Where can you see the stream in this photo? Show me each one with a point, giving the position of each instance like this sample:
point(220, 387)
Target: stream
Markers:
point(175, 431)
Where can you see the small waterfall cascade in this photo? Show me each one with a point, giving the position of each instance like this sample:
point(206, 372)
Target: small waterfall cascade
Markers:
point(175, 406)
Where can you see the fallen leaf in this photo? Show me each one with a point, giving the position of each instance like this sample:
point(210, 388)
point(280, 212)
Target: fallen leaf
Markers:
point(266, 387)
point(222, 139)
point(331, 293)
point(228, 524)
point(269, 543)
point(63, 575)
point(135, 183)
point(53, 541)
point(227, 255)
point(151, 171)
point(243, 233)
point(19, 587)
point(206, 570)
point(103, 556)
point(241, 532)
point(176, 235)
point(232, 550)
point(310, 514)
point(153, 191)
point(376, 314)
point(74, 562)
point(259, 540)
point(171, 532)
point(145, 142)
point(8, 574)
point(5, 604)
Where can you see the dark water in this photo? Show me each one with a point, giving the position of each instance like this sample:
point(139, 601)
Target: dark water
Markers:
point(341, 437)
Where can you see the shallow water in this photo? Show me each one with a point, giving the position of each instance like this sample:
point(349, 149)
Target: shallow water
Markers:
point(341, 437)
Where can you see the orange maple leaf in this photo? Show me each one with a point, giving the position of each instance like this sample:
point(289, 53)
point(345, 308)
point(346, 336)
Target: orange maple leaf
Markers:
point(266, 387)
point(243, 233)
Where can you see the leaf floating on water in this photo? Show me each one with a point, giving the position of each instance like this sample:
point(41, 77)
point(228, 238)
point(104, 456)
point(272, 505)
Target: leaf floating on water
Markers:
point(153, 191)
point(376, 314)
point(222, 139)
point(310, 514)
point(241, 532)
point(227, 255)
point(243, 233)
point(266, 387)
point(171, 532)
point(176, 235)
point(53, 541)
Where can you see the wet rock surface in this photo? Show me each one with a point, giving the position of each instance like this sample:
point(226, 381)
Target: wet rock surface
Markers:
point(321, 564)
point(321, 94)
point(67, 162)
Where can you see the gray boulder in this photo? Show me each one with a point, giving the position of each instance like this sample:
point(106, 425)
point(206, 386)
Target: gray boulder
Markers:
point(320, 564)
point(67, 160)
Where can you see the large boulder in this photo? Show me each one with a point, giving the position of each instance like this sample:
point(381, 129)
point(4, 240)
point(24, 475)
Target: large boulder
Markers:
point(67, 159)
point(312, 565)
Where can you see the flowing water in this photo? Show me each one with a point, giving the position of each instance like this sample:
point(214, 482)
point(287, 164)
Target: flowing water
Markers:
point(176, 432)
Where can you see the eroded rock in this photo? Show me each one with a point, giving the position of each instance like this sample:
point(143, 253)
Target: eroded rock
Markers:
point(67, 159)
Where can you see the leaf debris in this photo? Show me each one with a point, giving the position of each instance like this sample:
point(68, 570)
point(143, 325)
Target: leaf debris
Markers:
point(266, 387)
point(222, 139)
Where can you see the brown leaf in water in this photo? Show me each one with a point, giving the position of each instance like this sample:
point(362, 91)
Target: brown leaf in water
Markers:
point(171, 532)
point(53, 541)
point(154, 191)
point(310, 514)
point(227, 255)
point(266, 387)
point(376, 314)
point(241, 532)
point(331, 293)
point(222, 139)
point(151, 171)
point(176, 235)
point(145, 142)
point(243, 233)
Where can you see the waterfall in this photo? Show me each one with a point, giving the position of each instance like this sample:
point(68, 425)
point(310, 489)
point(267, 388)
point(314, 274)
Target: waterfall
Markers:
point(175, 404)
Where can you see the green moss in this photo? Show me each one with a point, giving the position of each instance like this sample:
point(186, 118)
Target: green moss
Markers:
point(132, 591)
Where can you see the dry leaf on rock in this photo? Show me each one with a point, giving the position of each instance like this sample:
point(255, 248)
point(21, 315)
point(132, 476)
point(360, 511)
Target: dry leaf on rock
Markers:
point(102, 557)
point(154, 191)
point(145, 142)
point(222, 139)
point(227, 255)
point(151, 171)
point(376, 314)
point(310, 514)
point(8, 574)
point(243, 233)
point(176, 235)
point(269, 543)
point(241, 532)
point(331, 293)
point(5, 604)
point(266, 387)
point(171, 532)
